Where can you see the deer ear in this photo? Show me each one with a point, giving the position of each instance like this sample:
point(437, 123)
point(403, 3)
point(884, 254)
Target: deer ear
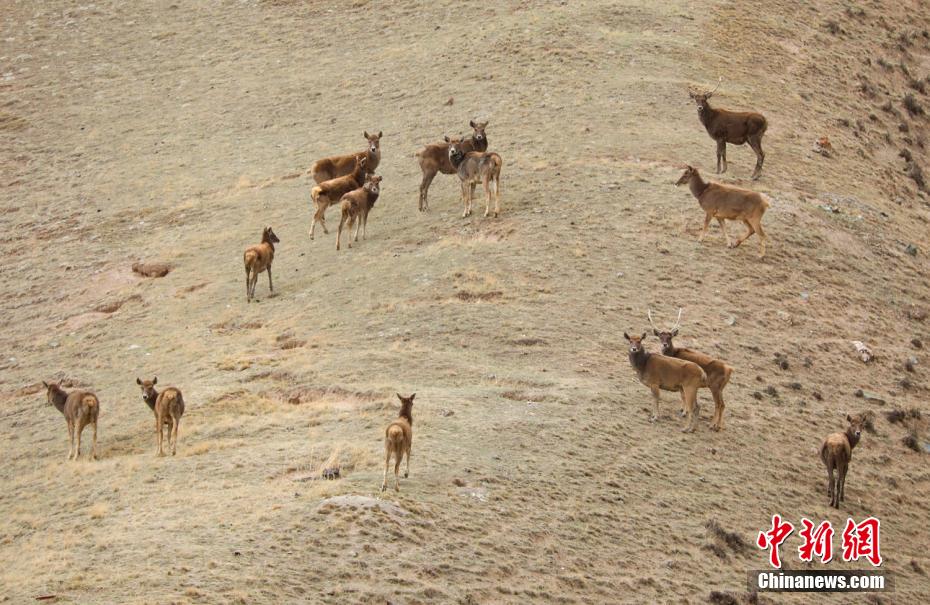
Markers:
point(139, 382)
point(655, 332)
point(446, 138)
point(155, 380)
point(643, 337)
point(45, 384)
point(625, 335)
point(380, 133)
point(412, 396)
point(848, 418)
point(472, 123)
point(399, 397)
point(366, 134)
point(675, 332)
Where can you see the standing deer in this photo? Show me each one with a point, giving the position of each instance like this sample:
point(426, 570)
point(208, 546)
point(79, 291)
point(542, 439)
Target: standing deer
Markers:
point(341, 165)
point(355, 208)
point(727, 202)
point(434, 158)
point(836, 452)
point(168, 407)
point(257, 259)
point(718, 373)
point(476, 167)
point(661, 373)
point(398, 438)
point(734, 127)
point(79, 408)
point(328, 193)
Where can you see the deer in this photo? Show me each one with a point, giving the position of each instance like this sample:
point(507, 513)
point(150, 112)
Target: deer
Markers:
point(79, 408)
point(434, 158)
point(836, 453)
point(661, 373)
point(726, 202)
point(355, 208)
point(718, 373)
point(257, 259)
point(398, 437)
point(329, 192)
point(734, 127)
point(168, 407)
point(476, 167)
point(328, 169)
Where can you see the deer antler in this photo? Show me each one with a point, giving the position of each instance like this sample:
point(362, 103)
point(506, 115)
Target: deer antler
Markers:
point(678, 321)
point(709, 94)
point(649, 315)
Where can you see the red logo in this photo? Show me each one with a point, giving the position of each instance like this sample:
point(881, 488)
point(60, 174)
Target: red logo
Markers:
point(862, 541)
point(816, 541)
point(773, 538)
point(859, 540)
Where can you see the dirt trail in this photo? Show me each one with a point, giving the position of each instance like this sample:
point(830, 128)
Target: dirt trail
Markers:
point(174, 133)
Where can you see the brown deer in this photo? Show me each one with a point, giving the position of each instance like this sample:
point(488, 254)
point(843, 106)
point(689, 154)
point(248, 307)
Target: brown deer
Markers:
point(734, 127)
point(79, 408)
point(355, 208)
point(328, 193)
point(661, 373)
point(168, 407)
point(397, 440)
point(335, 167)
point(727, 202)
point(257, 259)
point(836, 453)
point(718, 373)
point(434, 158)
point(476, 167)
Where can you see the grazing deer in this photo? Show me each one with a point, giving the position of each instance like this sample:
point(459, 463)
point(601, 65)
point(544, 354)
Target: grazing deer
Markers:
point(356, 205)
point(734, 127)
point(476, 167)
point(168, 407)
point(434, 158)
point(328, 193)
point(397, 440)
point(79, 408)
point(335, 167)
point(836, 453)
point(718, 373)
point(661, 373)
point(727, 202)
point(257, 259)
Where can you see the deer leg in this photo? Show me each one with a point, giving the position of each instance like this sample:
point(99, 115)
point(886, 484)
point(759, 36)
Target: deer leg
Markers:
point(339, 232)
point(758, 229)
point(387, 462)
point(247, 284)
point(316, 217)
point(174, 436)
point(655, 403)
point(70, 439)
point(841, 487)
point(358, 225)
point(364, 225)
point(487, 191)
point(464, 199)
point(723, 227)
point(691, 404)
point(756, 143)
point(424, 190)
point(471, 196)
point(681, 412)
point(397, 457)
point(718, 409)
point(93, 449)
point(407, 472)
point(160, 427)
point(721, 156)
point(270, 285)
point(78, 430)
point(707, 218)
point(497, 196)
point(830, 483)
point(748, 233)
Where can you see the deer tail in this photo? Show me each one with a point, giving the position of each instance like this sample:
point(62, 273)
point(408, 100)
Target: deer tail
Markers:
point(90, 401)
point(394, 435)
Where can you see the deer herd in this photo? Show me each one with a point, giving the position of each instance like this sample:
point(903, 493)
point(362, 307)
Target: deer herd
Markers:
point(349, 181)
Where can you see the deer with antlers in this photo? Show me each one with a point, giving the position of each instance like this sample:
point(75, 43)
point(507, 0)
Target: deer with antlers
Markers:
point(718, 373)
point(434, 159)
point(661, 373)
point(734, 127)
point(475, 167)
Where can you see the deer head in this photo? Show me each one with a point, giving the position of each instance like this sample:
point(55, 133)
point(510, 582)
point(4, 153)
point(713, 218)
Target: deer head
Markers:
point(686, 176)
point(373, 183)
point(700, 98)
point(406, 405)
point(269, 236)
point(636, 343)
point(455, 150)
point(665, 336)
point(148, 389)
point(374, 141)
point(478, 127)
